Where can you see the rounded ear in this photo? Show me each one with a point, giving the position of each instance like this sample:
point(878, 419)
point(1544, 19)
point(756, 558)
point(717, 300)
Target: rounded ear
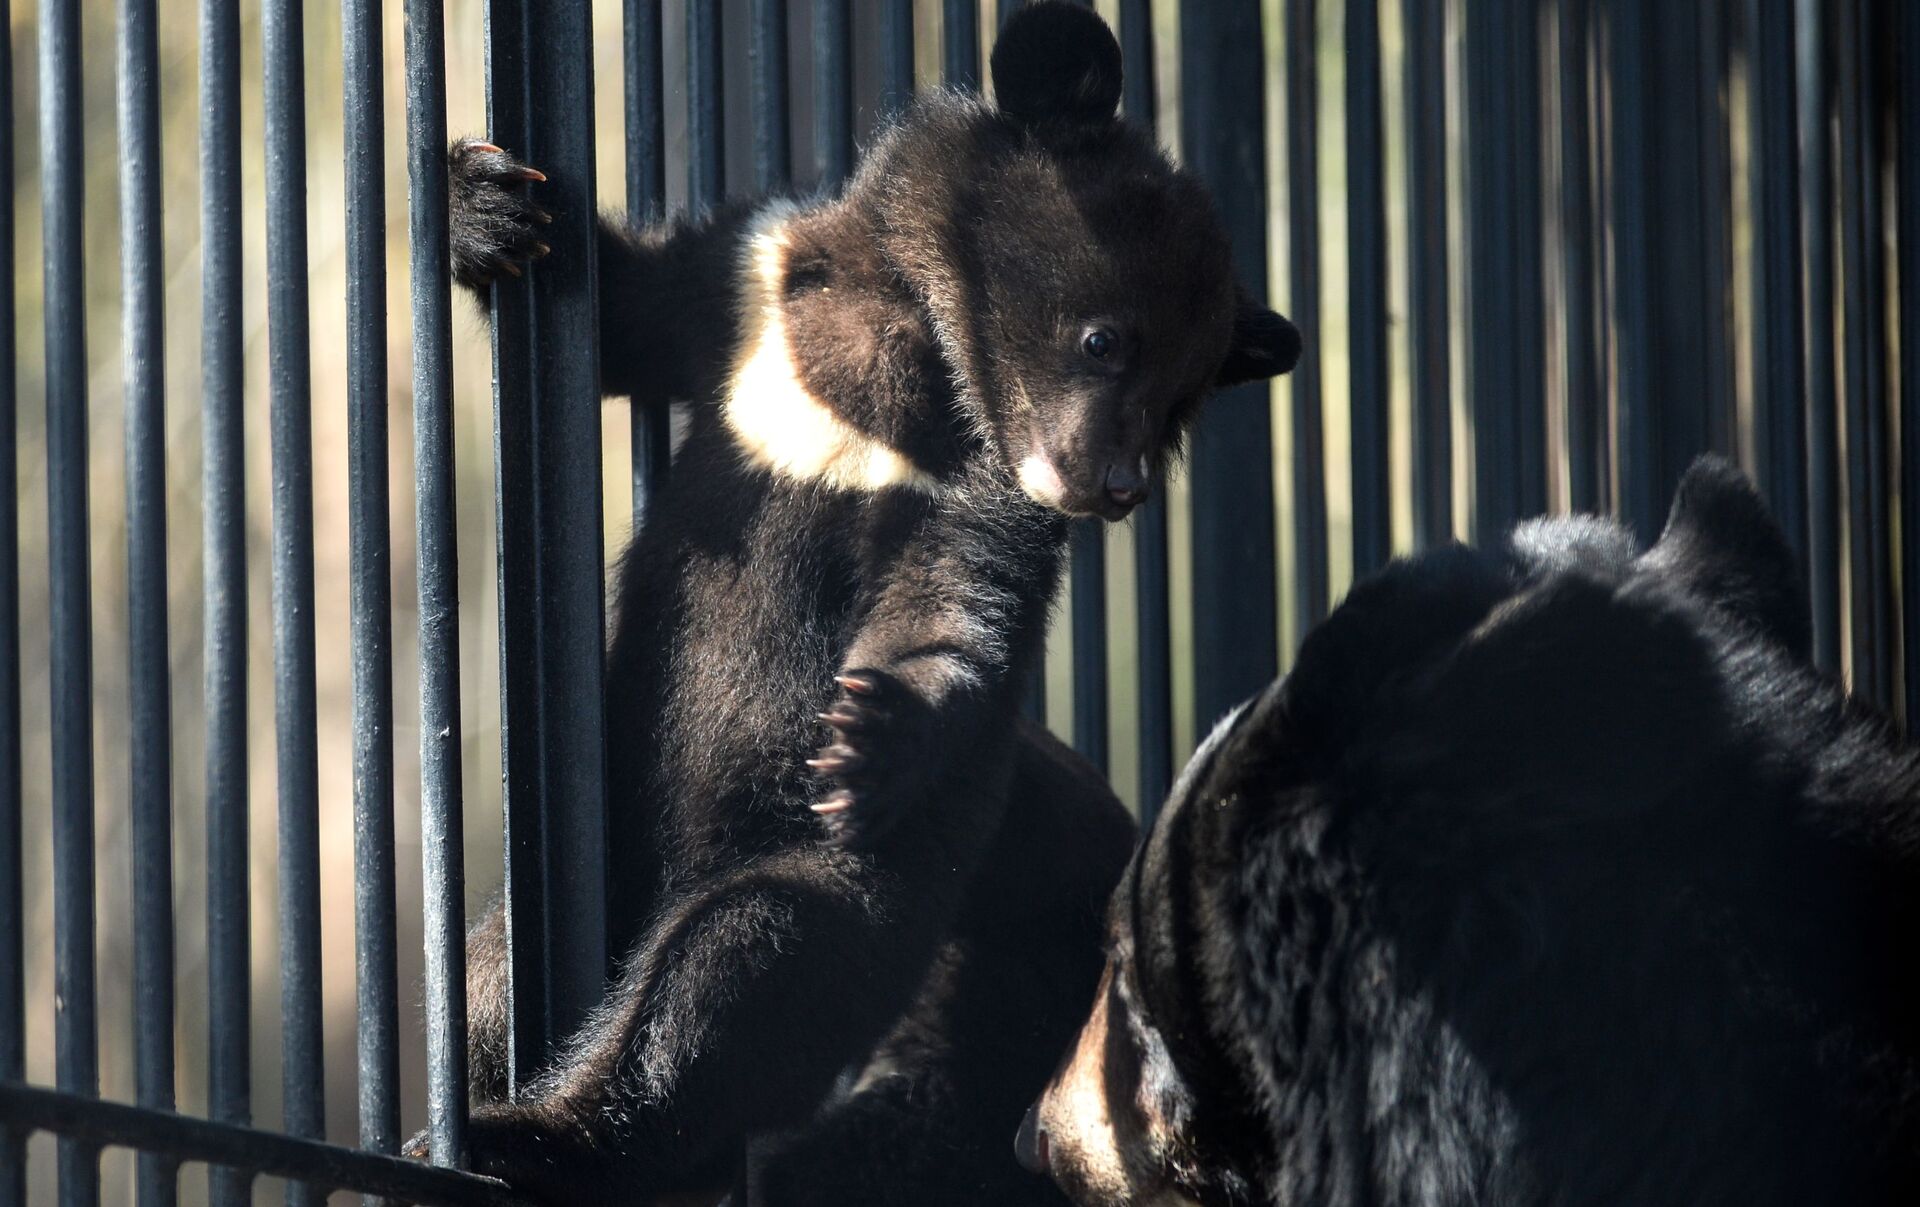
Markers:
point(1723, 546)
point(1056, 60)
point(1264, 343)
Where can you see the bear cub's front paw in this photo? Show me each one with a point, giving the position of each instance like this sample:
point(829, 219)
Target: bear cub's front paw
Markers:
point(492, 223)
point(876, 760)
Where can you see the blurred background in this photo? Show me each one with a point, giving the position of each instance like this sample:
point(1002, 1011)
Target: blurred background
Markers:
point(1720, 357)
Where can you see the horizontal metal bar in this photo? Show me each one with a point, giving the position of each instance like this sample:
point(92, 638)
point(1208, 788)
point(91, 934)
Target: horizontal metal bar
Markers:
point(33, 1108)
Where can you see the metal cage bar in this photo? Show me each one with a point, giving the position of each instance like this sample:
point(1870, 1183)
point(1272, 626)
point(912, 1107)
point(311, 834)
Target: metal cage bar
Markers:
point(706, 131)
point(1367, 290)
point(223, 434)
point(1153, 619)
point(767, 54)
point(295, 720)
point(1815, 81)
point(1580, 343)
point(370, 591)
point(960, 43)
point(1087, 575)
point(13, 957)
point(652, 436)
point(1908, 236)
point(70, 663)
point(1863, 303)
point(150, 762)
point(547, 400)
point(896, 55)
point(440, 786)
point(832, 91)
point(1429, 355)
point(1223, 133)
point(1779, 359)
point(1630, 203)
point(1311, 590)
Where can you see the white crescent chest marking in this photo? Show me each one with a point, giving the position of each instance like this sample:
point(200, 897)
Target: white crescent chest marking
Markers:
point(777, 424)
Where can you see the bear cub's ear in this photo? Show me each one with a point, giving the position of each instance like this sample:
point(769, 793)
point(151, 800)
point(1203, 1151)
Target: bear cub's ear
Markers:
point(1056, 61)
point(1264, 344)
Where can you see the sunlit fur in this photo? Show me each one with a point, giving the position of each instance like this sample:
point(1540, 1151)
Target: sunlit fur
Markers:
point(778, 423)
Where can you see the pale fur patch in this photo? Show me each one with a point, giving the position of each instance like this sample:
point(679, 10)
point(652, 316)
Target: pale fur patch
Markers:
point(1041, 481)
point(777, 423)
point(1074, 1108)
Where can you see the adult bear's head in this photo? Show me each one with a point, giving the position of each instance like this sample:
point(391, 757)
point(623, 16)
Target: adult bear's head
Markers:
point(1533, 854)
point(1080, 285)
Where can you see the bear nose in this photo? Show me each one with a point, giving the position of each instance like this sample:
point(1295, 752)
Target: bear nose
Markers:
point(1030, 1142)
point(1126, 485)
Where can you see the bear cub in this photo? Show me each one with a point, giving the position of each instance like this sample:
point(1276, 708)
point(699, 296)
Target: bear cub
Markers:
point(855, 899)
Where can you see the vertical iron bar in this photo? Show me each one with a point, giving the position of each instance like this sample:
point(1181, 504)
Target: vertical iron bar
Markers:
point(1367, 290)
point(1863, 300)
point(1089, 600)
point(767, 52)
point(1153, 613)
point(223, 434)
point(896, 56)
point(143, 285)
point(1629, 131)
point(1908, 117)
point(1527, 374)
point(442, 862)
point(1774, 180)
point(302, 1071)
point(646, 114)
point(1586, 405)
point(647, 204)
point(1678, 356)
point(70, 671)
point(1223, 119)
point(832, 92)
point(1708, 83)
point(1823, 447)
point(1491, 300)
point(514, 500)
point(548, 445)
point(13, 956)
point(566, 404)
point(960, 43)
point(1425, 35)
point(706, 124)
point(370, 588)
point(1311, 587)
point(1088, 543)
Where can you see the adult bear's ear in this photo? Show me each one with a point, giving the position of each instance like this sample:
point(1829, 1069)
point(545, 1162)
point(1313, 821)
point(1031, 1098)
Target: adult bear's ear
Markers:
point(1264, 343)
point(1722, 546)
point(1056, 61)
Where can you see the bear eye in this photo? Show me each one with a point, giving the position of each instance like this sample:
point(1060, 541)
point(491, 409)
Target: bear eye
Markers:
point(1098, 343)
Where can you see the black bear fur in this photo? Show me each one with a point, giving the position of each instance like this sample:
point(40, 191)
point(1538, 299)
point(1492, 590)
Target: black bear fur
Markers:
point(1552, 874)
point(859, 965)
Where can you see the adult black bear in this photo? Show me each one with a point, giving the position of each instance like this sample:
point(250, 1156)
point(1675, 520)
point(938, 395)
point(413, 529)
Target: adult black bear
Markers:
point(901, 393)
point(1551, 875)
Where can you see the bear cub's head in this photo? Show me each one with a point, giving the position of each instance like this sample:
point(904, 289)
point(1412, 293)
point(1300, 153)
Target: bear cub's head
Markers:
point(1080, 285)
